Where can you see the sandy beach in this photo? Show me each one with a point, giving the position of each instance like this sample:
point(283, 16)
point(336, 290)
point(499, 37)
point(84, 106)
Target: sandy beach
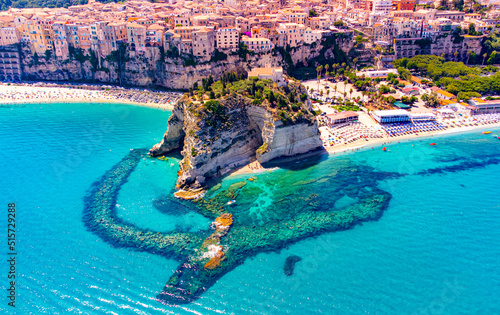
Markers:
point(22, 94)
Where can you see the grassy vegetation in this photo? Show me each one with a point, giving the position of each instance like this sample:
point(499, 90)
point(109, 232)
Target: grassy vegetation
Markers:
point(343, 108)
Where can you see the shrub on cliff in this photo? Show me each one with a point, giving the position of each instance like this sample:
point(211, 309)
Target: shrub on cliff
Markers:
point(216, 113)
point(262, 149)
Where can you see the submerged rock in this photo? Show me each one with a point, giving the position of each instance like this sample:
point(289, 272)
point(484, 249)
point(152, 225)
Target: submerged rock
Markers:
point(237, 186)
point(190, 194)
point(287, 219)
point(290, 264)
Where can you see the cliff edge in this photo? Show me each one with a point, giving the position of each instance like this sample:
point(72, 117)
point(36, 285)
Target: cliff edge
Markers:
point(228, 123)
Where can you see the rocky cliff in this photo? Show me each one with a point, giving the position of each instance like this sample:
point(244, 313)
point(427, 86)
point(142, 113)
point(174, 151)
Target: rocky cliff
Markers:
point(156, 68)
point(217, 135)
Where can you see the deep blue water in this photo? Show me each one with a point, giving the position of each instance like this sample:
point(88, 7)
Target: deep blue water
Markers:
point(435, 250)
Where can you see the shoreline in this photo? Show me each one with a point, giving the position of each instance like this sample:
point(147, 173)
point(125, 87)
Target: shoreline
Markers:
point(90, 101)
point(35, 94)
point(377, 142)
point(358, 145)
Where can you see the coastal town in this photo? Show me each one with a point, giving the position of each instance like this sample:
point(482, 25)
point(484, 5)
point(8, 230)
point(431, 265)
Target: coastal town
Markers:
point(146, 140)
point(385, 85)
point(206, 30)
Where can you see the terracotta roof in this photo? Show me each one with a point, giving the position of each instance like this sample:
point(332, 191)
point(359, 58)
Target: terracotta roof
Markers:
point(204, 30)
point(155, 27)
point(415, 79)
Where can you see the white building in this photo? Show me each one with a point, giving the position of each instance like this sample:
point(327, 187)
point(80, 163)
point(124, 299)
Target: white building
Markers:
point(391, 116)
point(382, 7)
point(376, 73)
point(312, 36)
point(479, 106)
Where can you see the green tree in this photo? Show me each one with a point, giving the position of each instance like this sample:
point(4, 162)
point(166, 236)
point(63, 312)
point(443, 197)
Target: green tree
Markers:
point(312, 13)
point(48, 54)
point(472, 29)
point(431, 100)
point(404, 73)
point(492, 59)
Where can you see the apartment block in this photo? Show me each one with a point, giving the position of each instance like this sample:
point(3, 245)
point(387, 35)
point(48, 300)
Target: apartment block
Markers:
point(257, 44)
point(203, 42)
point(136, 37)
point(294, 33)
point(227, 38)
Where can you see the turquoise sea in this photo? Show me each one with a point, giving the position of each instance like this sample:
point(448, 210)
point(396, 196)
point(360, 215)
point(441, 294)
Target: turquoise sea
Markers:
point(434, 250)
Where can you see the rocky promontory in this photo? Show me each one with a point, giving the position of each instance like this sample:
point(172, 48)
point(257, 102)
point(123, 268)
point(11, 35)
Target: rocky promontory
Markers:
point(228, 123)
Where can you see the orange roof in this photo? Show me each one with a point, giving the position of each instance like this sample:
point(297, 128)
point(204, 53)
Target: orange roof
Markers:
point(415, 79)
point(446, 102)
point(444, 93)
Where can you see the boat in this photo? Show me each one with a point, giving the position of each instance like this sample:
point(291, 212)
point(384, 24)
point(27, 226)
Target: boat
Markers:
point(384, 149)
point(486, 132)
point(433, 143)
point(230, 202)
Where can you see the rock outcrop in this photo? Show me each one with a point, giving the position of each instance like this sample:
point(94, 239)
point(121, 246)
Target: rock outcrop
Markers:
point(289, 140)
point(215, 140)
point(173, 138)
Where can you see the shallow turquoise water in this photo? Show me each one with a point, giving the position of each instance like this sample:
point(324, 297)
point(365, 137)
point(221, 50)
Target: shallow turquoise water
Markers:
point(434, 251)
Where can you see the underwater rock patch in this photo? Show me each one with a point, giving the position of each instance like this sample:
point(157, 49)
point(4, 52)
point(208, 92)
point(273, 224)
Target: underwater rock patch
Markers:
point(164, 204)
point(100, 216)
point(290, 264)
point(288, 219)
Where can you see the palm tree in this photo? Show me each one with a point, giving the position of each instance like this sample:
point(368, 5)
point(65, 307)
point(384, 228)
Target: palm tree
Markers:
point(350, 93)
point(455, 54)
point(319, 69)
point(335, 67)
point(355, 61)
point(468, 56)
point(376, 62)
point(484, 57)
point(326, 70)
